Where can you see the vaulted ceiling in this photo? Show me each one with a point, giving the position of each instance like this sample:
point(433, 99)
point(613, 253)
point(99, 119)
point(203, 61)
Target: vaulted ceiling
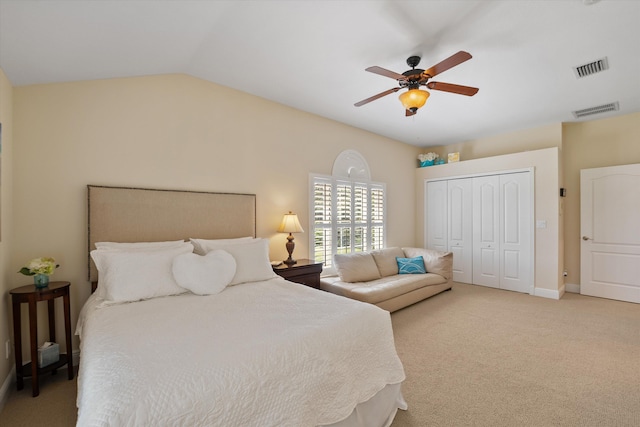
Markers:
point(312, 55)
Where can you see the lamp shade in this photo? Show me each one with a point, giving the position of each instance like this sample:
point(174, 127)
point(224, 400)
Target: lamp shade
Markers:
point(414, 99)
point(290, 224)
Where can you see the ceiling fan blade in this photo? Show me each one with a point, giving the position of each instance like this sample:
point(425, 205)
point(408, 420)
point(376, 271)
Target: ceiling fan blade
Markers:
point(374, 97)
point(450, 62)
point(386, 73)
point(448, 87)
point(408, 113)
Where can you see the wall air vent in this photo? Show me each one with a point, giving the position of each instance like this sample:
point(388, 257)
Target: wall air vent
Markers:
point(591, 68)
point(604, 108)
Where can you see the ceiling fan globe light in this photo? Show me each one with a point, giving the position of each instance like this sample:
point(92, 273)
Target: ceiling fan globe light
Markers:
point(414, 99)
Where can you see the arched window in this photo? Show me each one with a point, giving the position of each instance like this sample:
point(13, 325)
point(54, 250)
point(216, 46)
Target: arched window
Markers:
point(348, 210)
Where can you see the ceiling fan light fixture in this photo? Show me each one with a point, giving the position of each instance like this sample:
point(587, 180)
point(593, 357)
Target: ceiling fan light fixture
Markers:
point(414, 99)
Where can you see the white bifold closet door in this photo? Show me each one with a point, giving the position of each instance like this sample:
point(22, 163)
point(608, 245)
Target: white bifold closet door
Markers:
point(516, 230)
point(502, 228)
point(486, 221)
point(459, 228)
point(486, 231)
point(437, 214)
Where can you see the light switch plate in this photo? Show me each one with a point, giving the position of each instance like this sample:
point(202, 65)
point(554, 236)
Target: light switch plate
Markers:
point(541, 223)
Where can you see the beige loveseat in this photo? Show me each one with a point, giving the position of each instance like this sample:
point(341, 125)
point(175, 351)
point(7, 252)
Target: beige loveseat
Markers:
point(373, 277)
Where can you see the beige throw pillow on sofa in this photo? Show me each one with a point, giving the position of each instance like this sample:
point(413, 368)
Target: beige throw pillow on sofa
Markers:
point(434, 261)
point(386, 260)
point(356, 267)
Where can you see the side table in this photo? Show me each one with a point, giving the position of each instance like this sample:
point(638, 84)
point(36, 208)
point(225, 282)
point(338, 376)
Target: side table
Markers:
point(31, 295)
point(305, 271)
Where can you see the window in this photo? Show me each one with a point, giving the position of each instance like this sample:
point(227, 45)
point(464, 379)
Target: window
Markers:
point(347, 216)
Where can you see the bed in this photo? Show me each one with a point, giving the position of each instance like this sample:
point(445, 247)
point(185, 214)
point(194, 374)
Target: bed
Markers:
point(246, 349)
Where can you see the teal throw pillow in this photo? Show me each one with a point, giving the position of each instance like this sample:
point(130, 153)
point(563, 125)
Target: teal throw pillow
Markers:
point(411, 265)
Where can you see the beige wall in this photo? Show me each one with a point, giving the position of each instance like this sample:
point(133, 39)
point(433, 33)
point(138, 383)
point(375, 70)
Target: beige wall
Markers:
point(599, 143)
point(7, 274)
point(545, 163)
point(178, 132)
point(505, 143)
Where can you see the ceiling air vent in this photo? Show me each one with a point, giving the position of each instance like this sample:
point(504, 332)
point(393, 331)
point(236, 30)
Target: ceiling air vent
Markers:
point(604, 108)
point(591, 68)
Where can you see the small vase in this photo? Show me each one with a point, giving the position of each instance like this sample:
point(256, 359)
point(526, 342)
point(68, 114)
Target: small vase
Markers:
point(41, 280)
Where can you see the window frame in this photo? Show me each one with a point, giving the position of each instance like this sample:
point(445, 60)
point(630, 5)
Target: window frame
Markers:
point(368, 223)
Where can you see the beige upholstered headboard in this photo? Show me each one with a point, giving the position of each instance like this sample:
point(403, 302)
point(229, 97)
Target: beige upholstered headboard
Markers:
point(119, 214)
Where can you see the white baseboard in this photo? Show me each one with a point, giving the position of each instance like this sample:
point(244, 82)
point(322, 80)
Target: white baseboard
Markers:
point(549, 293)
point(4, 390)
point(572, 287)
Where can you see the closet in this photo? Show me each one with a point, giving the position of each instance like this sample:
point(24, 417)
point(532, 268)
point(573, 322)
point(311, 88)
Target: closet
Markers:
point(487, 223)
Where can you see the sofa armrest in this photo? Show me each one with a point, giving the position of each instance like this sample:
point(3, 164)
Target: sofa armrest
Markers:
point(434, 261)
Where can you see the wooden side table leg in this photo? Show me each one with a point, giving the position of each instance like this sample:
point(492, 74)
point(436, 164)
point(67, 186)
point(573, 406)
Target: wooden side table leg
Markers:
point(33, 334)
point(52, 325)
point(17, 342)
point(67, 334)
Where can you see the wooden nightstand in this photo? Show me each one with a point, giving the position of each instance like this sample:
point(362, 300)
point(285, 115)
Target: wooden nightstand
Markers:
point(29, 294)
point(305, 271)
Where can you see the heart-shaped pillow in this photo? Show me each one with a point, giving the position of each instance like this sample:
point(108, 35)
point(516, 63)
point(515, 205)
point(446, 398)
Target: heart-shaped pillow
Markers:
point(204, 274)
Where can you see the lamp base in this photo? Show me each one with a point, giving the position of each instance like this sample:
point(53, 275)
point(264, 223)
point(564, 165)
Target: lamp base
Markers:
point(290, 246)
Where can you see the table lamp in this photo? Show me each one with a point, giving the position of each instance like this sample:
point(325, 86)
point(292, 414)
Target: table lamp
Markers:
point(290, 224)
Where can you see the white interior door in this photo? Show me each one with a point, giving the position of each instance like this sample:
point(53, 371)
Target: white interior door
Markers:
point(515, 232)
point(486, 231)
point(436, 198)
point(610, 228)
point(460, 222)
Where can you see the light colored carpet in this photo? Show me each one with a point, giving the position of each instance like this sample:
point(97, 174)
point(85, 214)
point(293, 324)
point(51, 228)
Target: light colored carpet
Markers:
point(476, 356)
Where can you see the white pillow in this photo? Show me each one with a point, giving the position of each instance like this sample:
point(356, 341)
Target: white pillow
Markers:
point(252, 259)
point(139, 245)
point(135, 274)
point(202, 246)
point(356, 267)
point(204, 274)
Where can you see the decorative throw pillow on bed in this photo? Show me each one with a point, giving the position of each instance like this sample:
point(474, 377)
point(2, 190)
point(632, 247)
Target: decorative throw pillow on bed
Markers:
point(204, 274)
point(202, 246)
point(411, 265)
point(356, 267)
point(252, 259)
point(132, 275)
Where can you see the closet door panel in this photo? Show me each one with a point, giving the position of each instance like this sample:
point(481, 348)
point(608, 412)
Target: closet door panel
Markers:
point(460, 237)
point(436, 198)
point(515, 238)
point(486, 231)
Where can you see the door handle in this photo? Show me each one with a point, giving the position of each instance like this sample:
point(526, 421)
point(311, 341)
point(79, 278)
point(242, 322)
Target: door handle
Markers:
point(586, 238)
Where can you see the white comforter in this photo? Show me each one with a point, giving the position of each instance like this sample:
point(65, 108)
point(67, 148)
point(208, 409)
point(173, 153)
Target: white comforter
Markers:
point(267, 353)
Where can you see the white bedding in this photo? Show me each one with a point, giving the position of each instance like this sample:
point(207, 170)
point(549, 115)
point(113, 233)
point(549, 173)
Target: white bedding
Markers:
point(269, 353)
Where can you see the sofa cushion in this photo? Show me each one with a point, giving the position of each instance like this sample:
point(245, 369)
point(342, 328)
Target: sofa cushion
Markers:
point(356, 267)
point(386, 260)
point(382, 289)
point(411, 265)
point(435, 261)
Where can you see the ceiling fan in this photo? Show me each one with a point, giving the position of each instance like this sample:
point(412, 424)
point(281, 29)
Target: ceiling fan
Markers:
point(412, 79)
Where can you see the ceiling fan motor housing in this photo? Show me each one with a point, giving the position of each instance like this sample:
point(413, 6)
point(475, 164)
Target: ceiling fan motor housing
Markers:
point(412, 61)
